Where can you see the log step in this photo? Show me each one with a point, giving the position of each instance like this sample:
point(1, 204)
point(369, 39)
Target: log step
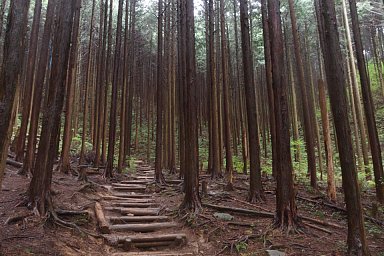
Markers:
point(135, 211)
point(147, 227)
point(102, 222)
point(131, 195)
point(117, 199)
point(129, 185)
point(124, 219)
point(128, 188)
point(147, 178)
point(159, 253)
point(134, 182)
point(134, 204)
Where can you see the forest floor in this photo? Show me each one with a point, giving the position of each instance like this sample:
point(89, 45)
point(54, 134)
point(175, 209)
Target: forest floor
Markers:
point(209, 232)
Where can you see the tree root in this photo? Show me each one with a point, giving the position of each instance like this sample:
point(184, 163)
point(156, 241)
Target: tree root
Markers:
point(52, 213)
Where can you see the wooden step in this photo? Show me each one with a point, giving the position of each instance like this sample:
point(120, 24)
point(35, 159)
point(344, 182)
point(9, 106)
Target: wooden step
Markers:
point(134, 182)
point(159, 253)
point(122, 188)
point(147, 227)
point(145, 241)
point(140, 186)
point(131, 195)
point(134, 204)
point(116, 199)
point(135, 211)
point(124, 219)
point(141, 177)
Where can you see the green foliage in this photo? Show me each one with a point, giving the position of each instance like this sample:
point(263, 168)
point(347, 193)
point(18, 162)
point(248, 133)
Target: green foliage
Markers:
point(241, 246)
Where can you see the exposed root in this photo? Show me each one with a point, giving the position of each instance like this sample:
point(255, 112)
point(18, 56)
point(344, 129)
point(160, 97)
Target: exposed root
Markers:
point(71, 225)
point(256, 196)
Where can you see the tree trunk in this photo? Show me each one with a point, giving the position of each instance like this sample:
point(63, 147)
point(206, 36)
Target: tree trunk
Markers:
point(368, 106)
point(67, 136)
point(256, 190)
point(39, 191)
point(115, 82)
point(28, 85)
point(191, 200)
point(309, 136)
point(10, 73)
point(286, 210)
point(357, 244)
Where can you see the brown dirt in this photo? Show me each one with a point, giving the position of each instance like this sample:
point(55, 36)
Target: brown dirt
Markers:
point(206, 235)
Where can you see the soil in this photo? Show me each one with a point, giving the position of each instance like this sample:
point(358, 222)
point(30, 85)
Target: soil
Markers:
point(207, 235)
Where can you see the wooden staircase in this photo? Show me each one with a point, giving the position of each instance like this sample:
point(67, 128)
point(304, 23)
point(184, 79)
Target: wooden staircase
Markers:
point(130, 220)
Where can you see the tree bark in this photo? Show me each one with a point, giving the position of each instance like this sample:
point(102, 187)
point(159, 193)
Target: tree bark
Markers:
point(368, 106)
point(286, 210)
point(10, 73)
point(256, 190)
point(39, 191)
point(357, 244)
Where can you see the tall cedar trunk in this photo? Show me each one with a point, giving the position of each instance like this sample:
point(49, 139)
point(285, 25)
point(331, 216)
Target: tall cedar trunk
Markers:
point(87, 86)
point(216, 170)
point(356, 93)
point(115, 81)
point(132, 81)
point(10, 73)
point(357, 244)
point(226, 116)
point(331, 186)
point(191, 200)
point(268, 74)
point(2, 12)
point(107, 82)
point(309, 135)
point(286, 211)
point(160, 97)
point(67, 136)
point(256, 190)
point(39, 85)
point(101, 81)
point(124, 91)
point(28, 85)
point(39, 191)
point(368, 106)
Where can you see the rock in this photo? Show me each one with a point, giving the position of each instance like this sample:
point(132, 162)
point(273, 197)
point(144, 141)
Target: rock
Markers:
point(275, 253)
point(223, 216)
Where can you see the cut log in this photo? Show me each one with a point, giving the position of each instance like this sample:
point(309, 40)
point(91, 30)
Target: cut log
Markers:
point(129, 188)
point(128, 185)
point(125, 219)
point(135, 211)
point(160, 253)
point(134, 182)
point(14, 163)
point(148, 227)
point(103, 224)
point(117, 199)
point(175, 182)
point(128, 245)
point(133, 204)
point(145, 238)
point(131, 195)
point(143, 178)
point(241, 210)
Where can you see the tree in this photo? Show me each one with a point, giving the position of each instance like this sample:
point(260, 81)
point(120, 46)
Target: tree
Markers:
point(160, 98)
point(308, 131)
point(28, 85)
point(256, 189)
point(39, 84)
point(39, 191)
point(115, 81)
point(368, 106)
point(329, 37)
point(286, 211)
point(10, 73)
point(191, 200)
